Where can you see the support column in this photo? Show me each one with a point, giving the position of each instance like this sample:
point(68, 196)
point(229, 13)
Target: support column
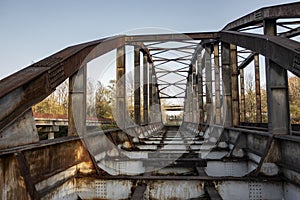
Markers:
point(156, 108)
point(243, 102)
point(185, 105)
point(121, 88)
point(194, 94)
point(208, 81)
point(277, 91)
point(145, 89)
point(200, 89)
point(235, 86)
point(159, 103)
point(257, 89)
point(77, 99)
point(154, 104)
point(150, 77)
point(226, 76)
point(217, 83)
point(189, 98)
point(137, 86)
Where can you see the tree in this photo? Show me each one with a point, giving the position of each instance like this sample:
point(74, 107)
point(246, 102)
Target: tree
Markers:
point(294, 97)
point(90, 99)
point(55, 103)
point(250, 99)
point(294, 100)
point(130, 96)
point(103, 99)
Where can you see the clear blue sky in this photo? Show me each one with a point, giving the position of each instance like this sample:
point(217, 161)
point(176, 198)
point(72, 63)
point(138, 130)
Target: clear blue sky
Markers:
point(34, 29)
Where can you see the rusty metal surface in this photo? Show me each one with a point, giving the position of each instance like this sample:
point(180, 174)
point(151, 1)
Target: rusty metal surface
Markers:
point(48, 190)
point(44, 161)
point(25, 172)
point(291, 10)
point(171, 37)
point(212, 192)
point(217, 83)
point(272, 47)
point(137, 86)
point(12, 184)
point(226, 77)
point(250, 58)
point(243, 102)
point(257, 89)
point(33, 84)
point(53, 167)
point(145, 70)
point(234, 86)
point(23, 131)
point(139, 191)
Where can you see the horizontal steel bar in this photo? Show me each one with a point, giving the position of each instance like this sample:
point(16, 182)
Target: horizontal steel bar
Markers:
point(190, 178)
point(171, 37)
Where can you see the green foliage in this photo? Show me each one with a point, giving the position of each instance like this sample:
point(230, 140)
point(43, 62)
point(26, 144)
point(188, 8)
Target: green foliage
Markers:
point(294, 95)
point(294, 98)
point(56, 103)
point(108, 126)
point(100, 100)
point(104, 99)
point(250, 100)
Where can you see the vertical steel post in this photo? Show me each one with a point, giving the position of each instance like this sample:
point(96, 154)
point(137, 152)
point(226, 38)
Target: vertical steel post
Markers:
point(235, 85)
point(208, 81)
point(243, 102)
point(156, 109)
point(217, 83)
point(200, 89)
point(185, 106)
point(194, 94)
point(277, 91)
point(150, 78)
point(189, 94)
point(257, 89)
point(121, 88)
point(137, 86)
point(77, 99)
point(226, 77)
point(159, 103)
point(145, 89)
point(154, 105)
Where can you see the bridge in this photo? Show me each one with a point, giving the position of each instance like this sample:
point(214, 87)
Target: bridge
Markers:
point(213, 154)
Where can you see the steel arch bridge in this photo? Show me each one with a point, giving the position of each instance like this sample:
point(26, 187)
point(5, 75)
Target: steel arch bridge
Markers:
point(213, 154)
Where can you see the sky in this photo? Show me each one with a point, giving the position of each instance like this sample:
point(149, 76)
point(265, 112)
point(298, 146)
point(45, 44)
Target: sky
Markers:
point(34, 29)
